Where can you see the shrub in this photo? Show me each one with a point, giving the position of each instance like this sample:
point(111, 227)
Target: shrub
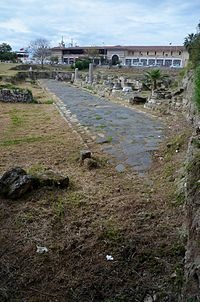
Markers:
point(82, 64)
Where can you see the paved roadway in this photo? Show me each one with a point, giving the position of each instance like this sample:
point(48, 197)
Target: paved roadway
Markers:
point(131, 135)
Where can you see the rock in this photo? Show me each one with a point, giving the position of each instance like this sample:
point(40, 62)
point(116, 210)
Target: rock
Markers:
point(103, 140)
point(85, 154)
point(53, 179)
point(137, 100)
point(15, 183)
point(120, 168)
point(178, 92)
point(117, 86)
point(91, 163)
point(127, 89)
point(16, 95)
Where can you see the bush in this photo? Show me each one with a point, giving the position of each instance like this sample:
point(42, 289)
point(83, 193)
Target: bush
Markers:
point(82, 64)
point(197, 87)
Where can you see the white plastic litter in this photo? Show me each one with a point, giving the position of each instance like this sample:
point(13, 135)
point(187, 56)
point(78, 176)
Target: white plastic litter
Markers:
point(41, 249)
point(109, 258)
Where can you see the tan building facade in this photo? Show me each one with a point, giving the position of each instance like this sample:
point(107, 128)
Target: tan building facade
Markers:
point(130, 56)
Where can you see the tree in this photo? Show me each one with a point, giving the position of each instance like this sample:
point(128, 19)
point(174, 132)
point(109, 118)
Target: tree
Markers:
point(92, 53)
point(54, 59)
point(192, 44)
point(6, 53)
point(153, 77)
point(81, 64)
point(4, 47)
point(40, 49)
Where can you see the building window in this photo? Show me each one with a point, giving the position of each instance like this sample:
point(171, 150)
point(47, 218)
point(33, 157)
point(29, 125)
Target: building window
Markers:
point(177, 63)
point(159, 62)
point(168, 63)
point(163, 53)
point(171, 53)
point(180, 53)
point(128, 62)
point(152, 62)
point(147, 53)
point(155, 53)
point(135, 62)
point(144, 62)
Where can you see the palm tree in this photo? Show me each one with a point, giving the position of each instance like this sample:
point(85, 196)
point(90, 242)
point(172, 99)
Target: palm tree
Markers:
point(189, 40)
point(153, 77)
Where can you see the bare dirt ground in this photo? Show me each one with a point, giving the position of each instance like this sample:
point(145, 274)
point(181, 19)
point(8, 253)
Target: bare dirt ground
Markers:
point(136, 220)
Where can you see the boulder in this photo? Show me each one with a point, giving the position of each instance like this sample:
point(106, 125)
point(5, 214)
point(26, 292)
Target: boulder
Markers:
point(85, 154)
point(52, 179)
point(16, 183)
point(137, 100)
point(127, 89)
point(91, 163)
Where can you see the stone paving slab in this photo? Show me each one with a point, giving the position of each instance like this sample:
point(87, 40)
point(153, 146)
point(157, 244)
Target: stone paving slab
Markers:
point(129, 136)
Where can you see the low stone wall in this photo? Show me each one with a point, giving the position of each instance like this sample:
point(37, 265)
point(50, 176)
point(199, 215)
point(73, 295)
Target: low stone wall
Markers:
point(16, 95)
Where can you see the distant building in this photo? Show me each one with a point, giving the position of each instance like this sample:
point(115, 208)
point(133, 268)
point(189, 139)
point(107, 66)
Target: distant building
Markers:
point(160, 56)
point(22, 55)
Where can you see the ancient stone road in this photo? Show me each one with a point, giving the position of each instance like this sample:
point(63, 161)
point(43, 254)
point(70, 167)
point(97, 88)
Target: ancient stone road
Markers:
point(126, 134)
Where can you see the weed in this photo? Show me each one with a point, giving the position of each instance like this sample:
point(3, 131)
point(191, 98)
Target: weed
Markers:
point(196, 142)
point(59, 207)
point(179, 277)
point(48, 102)
point(109, 139)
point(98, 117)
point(101, 126)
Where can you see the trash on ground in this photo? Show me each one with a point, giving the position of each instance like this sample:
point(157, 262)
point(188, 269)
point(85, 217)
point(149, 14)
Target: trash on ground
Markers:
point(41, 249)
point(109, 258)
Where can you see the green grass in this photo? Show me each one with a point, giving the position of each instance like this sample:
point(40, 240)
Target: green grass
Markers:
point(48, 102)
point(5, 69)
point(109, 139)
point(17, 120)
point(98, 117)
point(23, 140)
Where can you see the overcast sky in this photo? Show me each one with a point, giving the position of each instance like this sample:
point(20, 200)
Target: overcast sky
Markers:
point(98, 22)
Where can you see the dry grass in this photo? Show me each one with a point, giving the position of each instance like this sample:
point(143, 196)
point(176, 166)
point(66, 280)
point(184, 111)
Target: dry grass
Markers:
point(102, 213)
point(5, 69)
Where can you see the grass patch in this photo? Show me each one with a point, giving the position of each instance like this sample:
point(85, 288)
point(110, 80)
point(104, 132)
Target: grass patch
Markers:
point(98, 117)
point(76, 199)
point(48, 102)
point(109, 139)
point(175, 144)
point(31, 139)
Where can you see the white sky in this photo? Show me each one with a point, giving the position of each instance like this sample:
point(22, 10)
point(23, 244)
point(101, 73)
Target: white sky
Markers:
point(98, 22)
